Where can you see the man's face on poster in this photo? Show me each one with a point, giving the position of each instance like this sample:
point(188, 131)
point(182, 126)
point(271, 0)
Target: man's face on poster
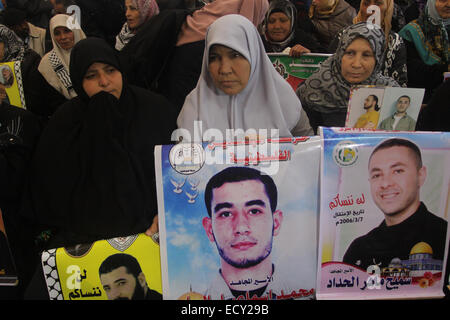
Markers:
point(242, 223)
point(369, 102)
point(402, 104)
point(395, 179)
point(121, 285)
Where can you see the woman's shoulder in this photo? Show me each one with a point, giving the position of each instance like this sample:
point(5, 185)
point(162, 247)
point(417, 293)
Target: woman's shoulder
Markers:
point(413, 28)
point(147, 94)
point(344, 8)
point(45, 62)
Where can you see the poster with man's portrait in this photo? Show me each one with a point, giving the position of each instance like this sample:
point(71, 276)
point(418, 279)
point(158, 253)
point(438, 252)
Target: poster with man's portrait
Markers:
point(384, 108)
point(123, 268)
point(11, 88)
point(384, 214)
point(238, 220)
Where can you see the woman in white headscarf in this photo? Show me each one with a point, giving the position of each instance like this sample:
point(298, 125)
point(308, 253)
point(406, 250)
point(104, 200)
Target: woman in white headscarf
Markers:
point(239, 88)
point(54, 66)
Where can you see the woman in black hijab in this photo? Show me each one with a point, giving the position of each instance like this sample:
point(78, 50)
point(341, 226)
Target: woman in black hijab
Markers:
point(93, 174)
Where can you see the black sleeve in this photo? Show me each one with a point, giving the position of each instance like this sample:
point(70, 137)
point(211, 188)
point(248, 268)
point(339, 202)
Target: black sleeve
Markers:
point(20, 132)
point(435, 116)
point(421, 75)
point(43, 98)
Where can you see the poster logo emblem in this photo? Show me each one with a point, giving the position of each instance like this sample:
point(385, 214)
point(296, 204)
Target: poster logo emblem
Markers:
point(187, 158)
point(345, 153)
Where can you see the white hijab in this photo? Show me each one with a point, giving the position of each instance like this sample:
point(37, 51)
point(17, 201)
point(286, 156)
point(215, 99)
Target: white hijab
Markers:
point(267, 102)
point(45, 67)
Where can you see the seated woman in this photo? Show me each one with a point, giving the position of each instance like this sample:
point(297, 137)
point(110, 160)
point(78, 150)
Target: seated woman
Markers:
point(12, 48)
point(395, 54)
point(54, 66)
point(93, 175)
point(280, 31)
point(183, 69)
point(329, 17)
point(137, 12)
point(357, 61)
point(427, 46)
point(239, 88)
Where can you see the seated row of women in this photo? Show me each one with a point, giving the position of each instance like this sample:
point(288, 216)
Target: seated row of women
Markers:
point(416, 56)
point(92, 172)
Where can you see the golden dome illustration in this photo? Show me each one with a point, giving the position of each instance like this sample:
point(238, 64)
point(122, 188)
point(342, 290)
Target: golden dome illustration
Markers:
point(191, 295)
point(421, 247)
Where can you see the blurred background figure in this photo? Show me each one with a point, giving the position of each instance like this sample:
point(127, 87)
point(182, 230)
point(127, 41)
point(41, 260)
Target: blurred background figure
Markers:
point(32, 36)
point(427, 46)
point(329, 17)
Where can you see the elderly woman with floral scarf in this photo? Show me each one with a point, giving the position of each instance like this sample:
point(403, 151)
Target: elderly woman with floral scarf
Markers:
point(427, 44)
point(357, 61)
point(137, 12)
point(394, 65)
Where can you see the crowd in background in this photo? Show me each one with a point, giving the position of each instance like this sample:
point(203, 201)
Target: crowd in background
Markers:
point(101, 91)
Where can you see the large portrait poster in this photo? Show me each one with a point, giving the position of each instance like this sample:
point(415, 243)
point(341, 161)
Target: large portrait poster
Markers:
point(11, 88)
point(384, 211)
point(238, 220)
point(297, 70)
point(124, 268)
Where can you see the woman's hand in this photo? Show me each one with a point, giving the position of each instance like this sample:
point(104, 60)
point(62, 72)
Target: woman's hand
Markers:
point(298, 50)
point(153, 231)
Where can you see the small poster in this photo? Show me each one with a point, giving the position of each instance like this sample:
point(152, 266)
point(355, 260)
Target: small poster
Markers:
point(238, 220)
point(11, 88)
point(124, 268)
point(8, 273)
point(297, 70)
point(384, 108)
point(384, 211)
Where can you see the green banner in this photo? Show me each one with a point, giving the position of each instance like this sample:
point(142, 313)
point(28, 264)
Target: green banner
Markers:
point(297, 70)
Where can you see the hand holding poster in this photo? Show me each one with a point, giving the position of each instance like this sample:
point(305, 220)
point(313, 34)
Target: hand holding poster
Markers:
point(384, 212)
point(240, 228)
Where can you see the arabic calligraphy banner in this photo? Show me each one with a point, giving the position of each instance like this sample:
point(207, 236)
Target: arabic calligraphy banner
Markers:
point(238, 220)
point(297, 70)
point(384, 211)
point(95, 271)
